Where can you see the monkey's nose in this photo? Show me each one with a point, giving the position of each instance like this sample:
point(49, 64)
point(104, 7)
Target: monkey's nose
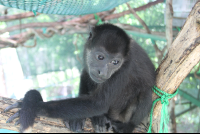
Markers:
point(102, 73)
point(99, 72)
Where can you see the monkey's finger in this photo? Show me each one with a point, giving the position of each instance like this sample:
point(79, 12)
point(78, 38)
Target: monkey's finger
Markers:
point(16, 105)
point(102, 129)
point(109, 126)
point(17, 123)
point(66, 122)
point(97, 129)
point(83, 123)
point(16, 115)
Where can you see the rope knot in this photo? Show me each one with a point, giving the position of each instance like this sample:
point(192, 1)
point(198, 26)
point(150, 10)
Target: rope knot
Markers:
point(164, 99)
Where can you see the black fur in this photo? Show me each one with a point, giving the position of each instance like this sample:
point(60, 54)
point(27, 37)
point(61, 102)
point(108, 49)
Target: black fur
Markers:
point(124, 99)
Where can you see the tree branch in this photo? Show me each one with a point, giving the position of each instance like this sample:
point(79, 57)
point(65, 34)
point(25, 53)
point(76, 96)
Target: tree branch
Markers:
point(182, 56)
point(185, 111)
point(77, 25)
point(17, 16)
point(70, 29)
point(117, 15)
point(159, 53)
point(139, 19)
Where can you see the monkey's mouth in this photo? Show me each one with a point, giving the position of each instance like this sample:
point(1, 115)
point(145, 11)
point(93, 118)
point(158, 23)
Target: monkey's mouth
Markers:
point(97, 79)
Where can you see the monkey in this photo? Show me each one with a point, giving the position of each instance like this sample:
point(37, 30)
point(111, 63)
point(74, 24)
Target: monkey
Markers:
point(115, 87)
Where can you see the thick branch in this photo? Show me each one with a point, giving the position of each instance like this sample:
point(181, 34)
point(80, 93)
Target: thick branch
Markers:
point(182, 56)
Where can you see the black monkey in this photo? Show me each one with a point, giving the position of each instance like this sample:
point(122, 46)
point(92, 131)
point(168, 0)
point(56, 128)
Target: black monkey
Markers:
point(115, 86)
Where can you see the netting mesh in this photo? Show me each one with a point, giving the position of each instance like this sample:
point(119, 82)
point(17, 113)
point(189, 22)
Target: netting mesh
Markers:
point(64, 7)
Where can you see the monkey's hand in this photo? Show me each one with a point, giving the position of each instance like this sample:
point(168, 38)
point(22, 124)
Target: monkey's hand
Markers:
point(101, 124)
point(28, 110)
point(75, 125)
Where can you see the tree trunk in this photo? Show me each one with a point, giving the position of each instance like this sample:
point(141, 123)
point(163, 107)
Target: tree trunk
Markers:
point(182, 56)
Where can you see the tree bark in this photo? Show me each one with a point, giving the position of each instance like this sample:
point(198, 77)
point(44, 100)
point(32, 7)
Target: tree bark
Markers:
point(182, 56)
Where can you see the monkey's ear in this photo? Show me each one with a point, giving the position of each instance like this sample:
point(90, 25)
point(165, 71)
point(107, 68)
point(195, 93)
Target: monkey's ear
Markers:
point(91, 31)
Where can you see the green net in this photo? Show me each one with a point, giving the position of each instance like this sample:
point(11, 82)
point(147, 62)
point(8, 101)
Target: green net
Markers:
point(64, 7)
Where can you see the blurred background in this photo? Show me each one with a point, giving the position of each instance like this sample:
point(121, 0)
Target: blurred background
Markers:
point(44, 51)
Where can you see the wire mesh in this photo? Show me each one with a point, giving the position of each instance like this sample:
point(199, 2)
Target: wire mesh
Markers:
point(63, 7)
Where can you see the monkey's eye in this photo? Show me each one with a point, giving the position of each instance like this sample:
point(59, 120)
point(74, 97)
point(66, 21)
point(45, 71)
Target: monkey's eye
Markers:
point(100, 57)
point(115, 62)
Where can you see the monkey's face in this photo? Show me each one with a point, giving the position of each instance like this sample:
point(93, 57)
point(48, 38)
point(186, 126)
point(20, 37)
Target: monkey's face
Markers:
point(102, 64)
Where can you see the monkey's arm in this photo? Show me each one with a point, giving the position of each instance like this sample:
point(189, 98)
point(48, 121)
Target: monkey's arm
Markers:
point(77, 125)
point(75, 108)
point(70, 109)
point(101, 124)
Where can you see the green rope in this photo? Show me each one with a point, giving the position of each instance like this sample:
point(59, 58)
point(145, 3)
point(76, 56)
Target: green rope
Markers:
point(35, 13)
point(42, 3)
point(153, 41)
point(164, 97)
point(44, 29)
point(98, 18)
point(179, 29)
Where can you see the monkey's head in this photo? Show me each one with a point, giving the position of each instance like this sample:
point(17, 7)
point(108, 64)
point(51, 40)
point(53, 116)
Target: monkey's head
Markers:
point(105, 51)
